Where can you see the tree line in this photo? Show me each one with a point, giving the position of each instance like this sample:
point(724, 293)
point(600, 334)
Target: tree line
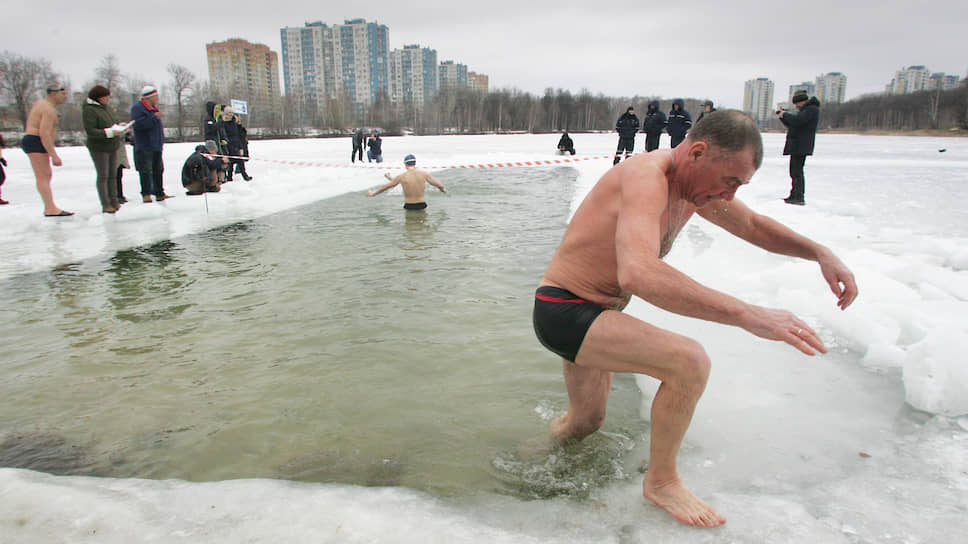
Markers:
point(452, 111)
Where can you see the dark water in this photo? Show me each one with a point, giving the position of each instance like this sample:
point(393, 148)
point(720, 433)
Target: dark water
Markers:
point(344, 341)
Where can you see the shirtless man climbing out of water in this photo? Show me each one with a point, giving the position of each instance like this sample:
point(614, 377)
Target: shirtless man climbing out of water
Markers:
point(38, 144)
point(413, 181)
point(613, 249)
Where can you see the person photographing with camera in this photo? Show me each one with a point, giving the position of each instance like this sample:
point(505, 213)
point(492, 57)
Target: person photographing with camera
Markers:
point(801, 133)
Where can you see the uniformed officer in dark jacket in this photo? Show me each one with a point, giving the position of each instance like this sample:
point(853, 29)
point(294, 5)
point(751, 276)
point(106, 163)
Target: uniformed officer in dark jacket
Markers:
point(801, 133)
point(707, 107)
point(679, 122)
point(654, 124)
point(626, 126)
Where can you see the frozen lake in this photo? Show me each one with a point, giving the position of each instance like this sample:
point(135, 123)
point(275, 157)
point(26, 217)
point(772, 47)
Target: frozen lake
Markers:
point(298, 362)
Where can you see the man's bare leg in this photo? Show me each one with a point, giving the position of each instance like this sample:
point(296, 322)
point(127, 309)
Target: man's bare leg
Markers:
point(41, 165)
point(588, 390)
point(620, 343)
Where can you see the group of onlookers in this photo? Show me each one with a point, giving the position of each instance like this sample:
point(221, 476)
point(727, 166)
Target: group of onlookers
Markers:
point(676, 124)
point(226, 147)
point(801, 133)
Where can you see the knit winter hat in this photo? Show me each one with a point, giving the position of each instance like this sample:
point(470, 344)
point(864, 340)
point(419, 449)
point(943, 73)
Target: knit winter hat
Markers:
point(147, 91)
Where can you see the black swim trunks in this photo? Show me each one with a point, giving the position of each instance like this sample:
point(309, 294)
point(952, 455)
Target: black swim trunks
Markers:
point(415, 205)
point(561, 320)
point(32, 144)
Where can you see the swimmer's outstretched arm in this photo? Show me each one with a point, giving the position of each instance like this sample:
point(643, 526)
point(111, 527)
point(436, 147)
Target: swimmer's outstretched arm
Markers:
point(392, 183)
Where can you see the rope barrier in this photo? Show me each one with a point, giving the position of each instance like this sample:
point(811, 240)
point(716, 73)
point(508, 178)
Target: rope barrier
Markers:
point(381, 166)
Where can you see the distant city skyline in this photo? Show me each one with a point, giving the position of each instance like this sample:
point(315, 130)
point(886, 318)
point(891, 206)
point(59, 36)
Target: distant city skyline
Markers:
point(664, 50)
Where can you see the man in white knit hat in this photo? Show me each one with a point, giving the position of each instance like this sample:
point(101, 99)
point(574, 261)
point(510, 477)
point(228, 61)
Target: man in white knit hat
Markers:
point(149, 137)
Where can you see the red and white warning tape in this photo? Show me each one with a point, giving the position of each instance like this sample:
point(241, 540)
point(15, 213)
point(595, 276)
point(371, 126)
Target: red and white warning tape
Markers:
point(385, 166)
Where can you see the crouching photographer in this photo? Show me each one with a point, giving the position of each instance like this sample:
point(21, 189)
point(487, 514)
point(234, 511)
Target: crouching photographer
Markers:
point(200, 174)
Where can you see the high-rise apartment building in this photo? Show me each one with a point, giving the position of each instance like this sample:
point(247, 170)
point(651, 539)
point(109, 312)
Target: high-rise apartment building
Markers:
point(453, 75)
point(758, 100)
point(348, 61)
point(942, 81)
point(308, 64)
point(413, 76)
point(362, 60)
point(918, 78)
point(246, 71)
point(909, 80)
point(831, 88)
point(477, 81)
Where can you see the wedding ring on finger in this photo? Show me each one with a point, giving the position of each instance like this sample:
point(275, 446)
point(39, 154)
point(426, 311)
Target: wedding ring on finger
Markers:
point(799, 331)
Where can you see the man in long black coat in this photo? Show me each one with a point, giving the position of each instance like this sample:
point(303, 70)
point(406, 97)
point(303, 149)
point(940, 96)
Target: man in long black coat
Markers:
point(654, 124)
point(801, 134)
point(626, 126)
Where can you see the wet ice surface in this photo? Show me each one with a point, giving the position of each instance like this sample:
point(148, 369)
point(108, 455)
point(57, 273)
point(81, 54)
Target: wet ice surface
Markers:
point(865, 444)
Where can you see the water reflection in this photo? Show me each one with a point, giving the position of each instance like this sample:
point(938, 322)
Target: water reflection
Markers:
point(145, 282)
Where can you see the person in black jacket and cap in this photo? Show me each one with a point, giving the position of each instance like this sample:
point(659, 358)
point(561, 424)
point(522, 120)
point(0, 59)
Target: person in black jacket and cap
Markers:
point(200, 171)
point(565, 144)
point(655, 123)
point(626, 126)
point(707, 107)
point(679, 122)
point(801, 134)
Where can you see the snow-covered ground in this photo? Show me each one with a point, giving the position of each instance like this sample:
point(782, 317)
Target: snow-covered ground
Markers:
point(866, 444)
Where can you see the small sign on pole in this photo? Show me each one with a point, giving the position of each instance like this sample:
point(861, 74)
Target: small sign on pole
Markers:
point(240, 106)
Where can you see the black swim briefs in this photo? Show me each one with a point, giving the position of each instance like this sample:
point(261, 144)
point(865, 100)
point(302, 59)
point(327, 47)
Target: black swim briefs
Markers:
point(32, 144)
point(561, 320)
point(415, 205)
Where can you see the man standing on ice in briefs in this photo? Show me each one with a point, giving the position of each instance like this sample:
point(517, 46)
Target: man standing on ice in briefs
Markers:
point(613, 249)
point(413, 185)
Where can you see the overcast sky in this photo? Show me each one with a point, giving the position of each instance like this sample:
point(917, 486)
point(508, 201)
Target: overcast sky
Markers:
point(704, 49)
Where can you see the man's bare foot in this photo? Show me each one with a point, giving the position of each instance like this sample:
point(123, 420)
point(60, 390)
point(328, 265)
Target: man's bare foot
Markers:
point(674, 497)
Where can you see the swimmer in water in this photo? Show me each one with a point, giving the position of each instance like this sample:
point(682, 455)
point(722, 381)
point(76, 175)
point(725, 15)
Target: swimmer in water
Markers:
point(414, 182)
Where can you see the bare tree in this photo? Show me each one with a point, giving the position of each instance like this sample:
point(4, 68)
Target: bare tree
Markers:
point(22, 79)
point(108, 72)
point(181, 82)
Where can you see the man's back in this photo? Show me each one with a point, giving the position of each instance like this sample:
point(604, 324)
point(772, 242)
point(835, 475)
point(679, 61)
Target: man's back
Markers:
point(414, 183)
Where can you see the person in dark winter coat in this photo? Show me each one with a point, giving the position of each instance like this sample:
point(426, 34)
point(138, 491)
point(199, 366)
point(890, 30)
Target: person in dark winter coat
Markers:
point(565, 144)
point(801, 134)
point(200, 172)
point(149, 137)
point(357, 145)
point(209, 128)
point(654, 124)
point(375, 153)
point(244, 137)
point(707, 107)
point(679, 122)
point(626, 126)
point(231, 143)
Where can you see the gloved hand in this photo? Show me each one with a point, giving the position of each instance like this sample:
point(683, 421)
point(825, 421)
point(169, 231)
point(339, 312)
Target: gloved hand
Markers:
point(3, 161)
